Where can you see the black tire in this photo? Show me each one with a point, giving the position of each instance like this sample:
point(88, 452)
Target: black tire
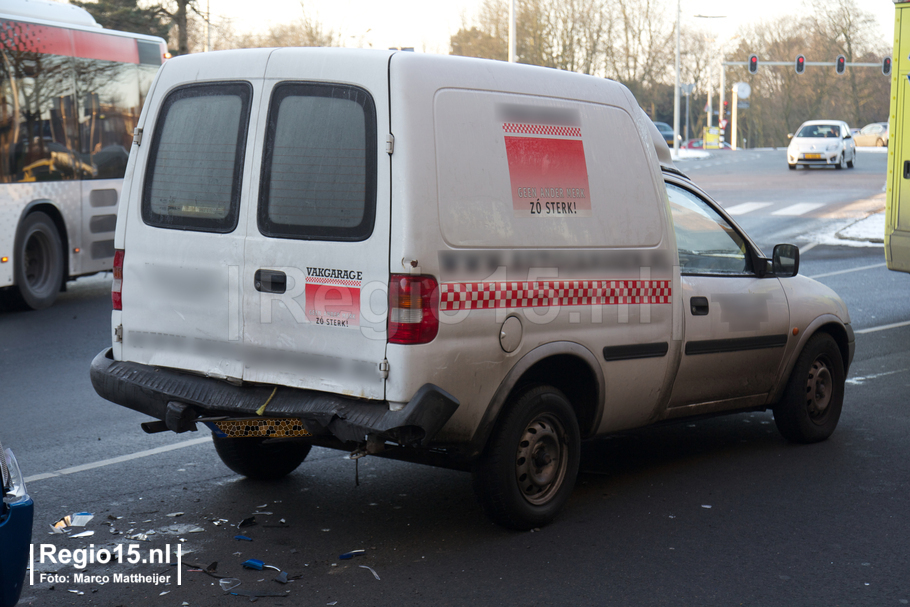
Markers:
point(811, 404)
point(879, 143)
point(38, 270)
point(840, 162)
point(528, 469)
point(792, 167)
point(258, 460)
point(852, 162)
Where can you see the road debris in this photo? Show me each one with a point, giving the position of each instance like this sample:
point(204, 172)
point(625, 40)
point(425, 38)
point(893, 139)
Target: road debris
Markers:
point(258, 565)
point(81, 519)
point(247, 522)
point(174, 514)
point(371, 570)
point(351, 554)
point(229, 583)
point(243, 538)
point(84, 534)
point(282, 578)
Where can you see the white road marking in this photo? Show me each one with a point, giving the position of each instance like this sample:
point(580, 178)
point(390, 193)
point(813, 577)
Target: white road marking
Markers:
point(877, 265)
point(798, 209)
point(885, 327)
point(747, 207)
point(808, 248)
point(858, 381)
point(117, 460)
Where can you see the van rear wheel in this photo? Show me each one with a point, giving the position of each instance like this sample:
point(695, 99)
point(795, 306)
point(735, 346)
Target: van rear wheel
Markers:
point(260, 460)
point(529, 466)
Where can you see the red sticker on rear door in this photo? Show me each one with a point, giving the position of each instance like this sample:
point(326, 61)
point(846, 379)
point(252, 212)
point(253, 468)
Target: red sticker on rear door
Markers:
point(333, 297)
point(547, 170)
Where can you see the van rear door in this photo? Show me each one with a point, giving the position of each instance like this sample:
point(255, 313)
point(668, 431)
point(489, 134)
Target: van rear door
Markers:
point(316, 263)
point(183, 220)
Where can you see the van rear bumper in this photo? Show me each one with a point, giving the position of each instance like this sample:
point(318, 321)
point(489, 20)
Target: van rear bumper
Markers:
point(179, 398)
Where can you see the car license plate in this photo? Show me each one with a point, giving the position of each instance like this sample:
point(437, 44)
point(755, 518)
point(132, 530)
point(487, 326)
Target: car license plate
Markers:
point(813, 156)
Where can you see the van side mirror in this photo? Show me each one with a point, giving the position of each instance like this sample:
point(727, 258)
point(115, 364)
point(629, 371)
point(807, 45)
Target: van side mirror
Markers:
point(785, 260)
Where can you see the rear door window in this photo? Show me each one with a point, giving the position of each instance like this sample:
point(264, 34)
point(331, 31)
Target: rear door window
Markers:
point(319, 166)
point(193, 174)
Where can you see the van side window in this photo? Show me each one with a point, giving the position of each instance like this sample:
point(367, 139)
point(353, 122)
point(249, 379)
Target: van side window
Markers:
point(707, 243)
point(193, 175)
point(319, 165)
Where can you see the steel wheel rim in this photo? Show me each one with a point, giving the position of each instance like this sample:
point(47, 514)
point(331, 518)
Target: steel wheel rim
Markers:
point(37, 261)
point(819, 390)
point(542, 459)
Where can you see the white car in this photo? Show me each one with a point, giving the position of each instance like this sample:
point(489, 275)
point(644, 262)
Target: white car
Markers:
point(822, 143)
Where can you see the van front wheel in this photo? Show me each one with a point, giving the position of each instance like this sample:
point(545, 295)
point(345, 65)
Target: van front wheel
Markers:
point(260, 460)
point(528, 469)
point(811, 404)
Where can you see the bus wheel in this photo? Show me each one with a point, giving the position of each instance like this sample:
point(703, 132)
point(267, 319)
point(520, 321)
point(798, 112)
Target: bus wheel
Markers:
point(39, 261)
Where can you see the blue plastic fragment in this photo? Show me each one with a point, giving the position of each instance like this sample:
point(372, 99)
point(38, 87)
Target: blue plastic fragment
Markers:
point(351, 554)
point(253, 564)
point(243, 537)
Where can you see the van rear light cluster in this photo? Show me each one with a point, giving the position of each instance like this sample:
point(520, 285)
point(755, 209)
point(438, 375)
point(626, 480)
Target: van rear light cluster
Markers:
point(413, 309)
point(117, 286)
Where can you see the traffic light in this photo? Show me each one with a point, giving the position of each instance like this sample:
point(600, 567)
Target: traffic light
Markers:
point(753, 64)
point(725, 108)
point(886, 66)
point(840, 64)
point(800, 64)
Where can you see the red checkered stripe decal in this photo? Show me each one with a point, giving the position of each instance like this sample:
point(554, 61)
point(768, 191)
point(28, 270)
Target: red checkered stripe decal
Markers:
point(338, 282)
point(541, 129)
point(545, 293)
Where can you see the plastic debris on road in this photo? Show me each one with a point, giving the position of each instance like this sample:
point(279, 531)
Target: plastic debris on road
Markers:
point(81, 519)
point(243, 538)
point(351, 554)
point(228, 583)
point(258, 565)
point(84, 534)
point(174, 514)
point(282, 578)
point(705, 506)
point(370, 569)
point(247, 522)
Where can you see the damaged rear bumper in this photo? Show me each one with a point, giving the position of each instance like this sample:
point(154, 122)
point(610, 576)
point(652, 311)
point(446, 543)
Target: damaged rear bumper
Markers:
point(178, 399)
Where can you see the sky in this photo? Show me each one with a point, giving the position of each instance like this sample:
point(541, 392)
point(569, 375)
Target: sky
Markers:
point(427, 25)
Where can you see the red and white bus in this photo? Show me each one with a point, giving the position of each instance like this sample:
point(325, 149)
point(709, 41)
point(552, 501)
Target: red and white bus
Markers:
point(70, 97)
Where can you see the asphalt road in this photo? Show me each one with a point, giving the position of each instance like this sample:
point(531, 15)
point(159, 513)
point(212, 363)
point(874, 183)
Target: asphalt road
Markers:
point(715, 512)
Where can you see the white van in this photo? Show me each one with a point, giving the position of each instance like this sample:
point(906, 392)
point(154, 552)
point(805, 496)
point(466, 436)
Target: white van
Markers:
point(455, 261)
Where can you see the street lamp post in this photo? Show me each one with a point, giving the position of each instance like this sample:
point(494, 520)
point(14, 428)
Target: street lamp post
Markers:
point(676, 88)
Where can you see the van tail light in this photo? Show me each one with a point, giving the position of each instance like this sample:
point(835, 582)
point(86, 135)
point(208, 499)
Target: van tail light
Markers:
point(413, 309)
point(117, 286)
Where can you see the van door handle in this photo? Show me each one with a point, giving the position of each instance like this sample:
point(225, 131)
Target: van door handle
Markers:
point(271, 281)
point(699, 306)
point(907, 169)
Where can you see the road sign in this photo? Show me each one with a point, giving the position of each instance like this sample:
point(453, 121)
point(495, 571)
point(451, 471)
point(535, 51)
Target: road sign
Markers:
point(723, 123)
point(743, 90)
